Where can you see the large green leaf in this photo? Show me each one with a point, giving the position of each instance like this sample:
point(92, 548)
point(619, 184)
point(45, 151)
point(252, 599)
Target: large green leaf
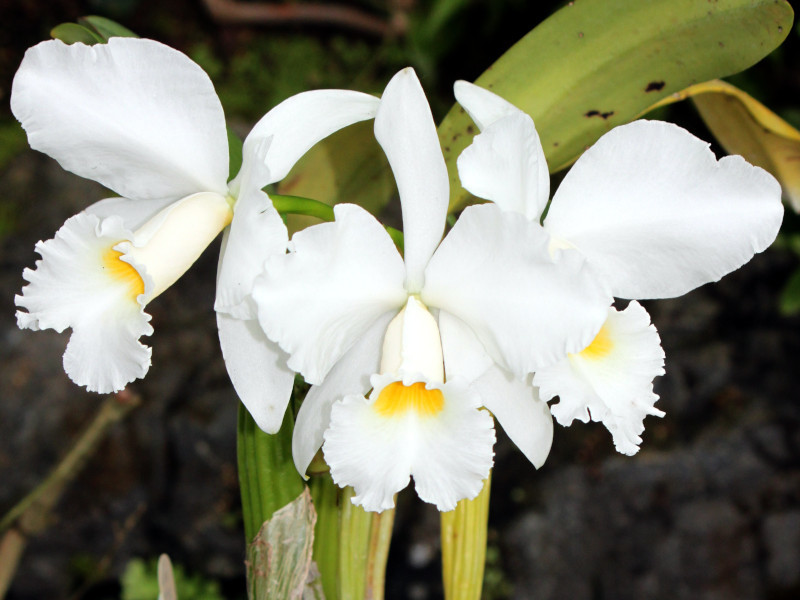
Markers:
point(596, 64)
point(592, 65)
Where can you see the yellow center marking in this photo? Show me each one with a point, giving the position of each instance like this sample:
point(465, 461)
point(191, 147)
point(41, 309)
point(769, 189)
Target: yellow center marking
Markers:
point(601, 346)
point(396, 399)
point(123, 272)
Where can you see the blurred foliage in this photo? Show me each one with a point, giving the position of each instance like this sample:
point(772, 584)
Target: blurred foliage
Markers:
point(272, 68)
point(496, 585)
point(140, 582)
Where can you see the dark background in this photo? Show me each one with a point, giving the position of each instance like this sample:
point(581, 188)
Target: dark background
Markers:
point(708, 510)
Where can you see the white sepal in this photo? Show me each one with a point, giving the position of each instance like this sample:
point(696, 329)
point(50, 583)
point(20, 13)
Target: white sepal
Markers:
point(464, 355)
point(405, 129)
point(610, 381)
point(81, 283)
point(349, 376)
point(299, 122)
point(483, 107)
point(525, 417)
point(506, 164)
point(258, 371)
point(256, 233)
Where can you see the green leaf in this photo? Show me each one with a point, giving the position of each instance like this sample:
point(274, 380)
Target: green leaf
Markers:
point(596, 64)
point(790, 296)
point(106, 28)
point(234, 153)
point(348, 166)
point(742, 125)
point(268, 479)
point(71, 33)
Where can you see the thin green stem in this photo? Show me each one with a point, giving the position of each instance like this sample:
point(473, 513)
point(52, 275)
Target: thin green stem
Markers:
point(296, 205)
point(464, 546)
point(267, 477)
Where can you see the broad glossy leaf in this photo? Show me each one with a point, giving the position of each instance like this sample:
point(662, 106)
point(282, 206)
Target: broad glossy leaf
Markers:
point(106, 28)
point(348, 166)
point(71, 33)
point(743, 125)
point(596, 64)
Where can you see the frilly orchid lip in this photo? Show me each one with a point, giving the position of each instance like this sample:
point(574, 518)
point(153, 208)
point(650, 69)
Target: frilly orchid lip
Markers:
point(329, 301)
point(144, 120)
point(654, 213)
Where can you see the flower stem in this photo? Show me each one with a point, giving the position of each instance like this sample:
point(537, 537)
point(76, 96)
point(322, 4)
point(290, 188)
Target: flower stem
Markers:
point(267, 477)
point(297, 205)
point(464, 546)
point(351, 545)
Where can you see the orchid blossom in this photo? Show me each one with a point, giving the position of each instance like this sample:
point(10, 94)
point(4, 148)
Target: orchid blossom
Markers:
point(143, 120)
point(654, 213)
point(435, 335)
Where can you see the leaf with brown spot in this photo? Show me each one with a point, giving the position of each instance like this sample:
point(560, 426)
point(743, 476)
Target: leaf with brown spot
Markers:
point(743, 125)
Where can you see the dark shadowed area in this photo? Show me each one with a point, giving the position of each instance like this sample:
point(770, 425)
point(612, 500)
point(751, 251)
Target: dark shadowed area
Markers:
point(708, 510)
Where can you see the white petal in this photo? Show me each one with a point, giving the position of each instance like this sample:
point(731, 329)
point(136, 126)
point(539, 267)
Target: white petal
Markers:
point(82, 283)
point(657, 215)
point(319, 299)
point(349, 376)
point(132, 114)
point(448, 453)
point(495, 273)
point(464, 355)
point(299, 122)
point(405, 129)
point(134, 213)
point(611, 380)
point(525, 418)
point(256, 233)
point(506, 164)
point(258, 371)
point(483, 107)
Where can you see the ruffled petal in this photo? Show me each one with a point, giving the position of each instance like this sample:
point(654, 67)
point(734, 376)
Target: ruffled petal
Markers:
point(299, 122)
point(133, 114)
point(657, 215)
point(405, 129)
point(525, 418)
point(256, 233)
point(338, 279)
point(464, 355)
point(82, 283)
point(447, 448)
point(611, 380)
point(258, 371)
point(494, 272)
point(483, 107)
point(349, 376)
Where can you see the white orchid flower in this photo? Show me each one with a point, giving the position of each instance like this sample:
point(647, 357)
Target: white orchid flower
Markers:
point(435, 334)
point(654, 213)
point(143, 120)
